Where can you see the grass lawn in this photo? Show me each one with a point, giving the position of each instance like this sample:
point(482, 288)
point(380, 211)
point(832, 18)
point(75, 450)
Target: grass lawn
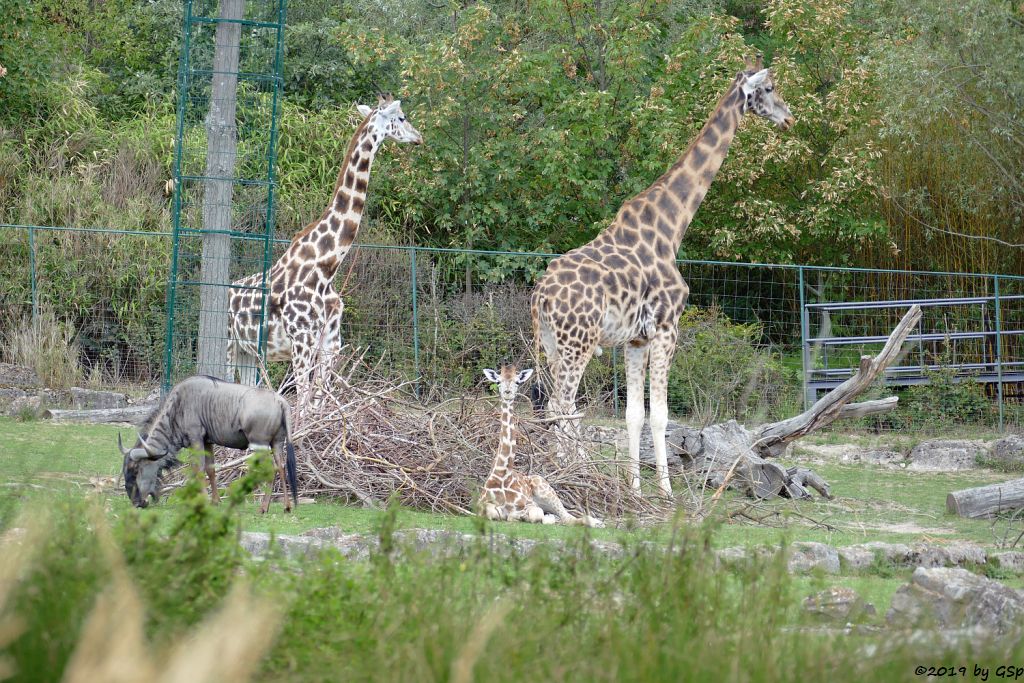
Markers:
point(871, 503)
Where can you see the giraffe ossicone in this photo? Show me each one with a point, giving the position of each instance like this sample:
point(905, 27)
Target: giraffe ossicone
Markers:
point(508, 494)
point(303, 318)
point(624, 288)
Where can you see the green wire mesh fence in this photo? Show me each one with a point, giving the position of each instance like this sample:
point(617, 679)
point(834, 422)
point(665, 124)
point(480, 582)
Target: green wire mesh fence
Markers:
point(229, 86)
point(756, 342)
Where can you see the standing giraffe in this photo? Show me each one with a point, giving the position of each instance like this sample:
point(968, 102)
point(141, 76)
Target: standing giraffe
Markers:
point(511, 495)
point(304, 310)
point(624, 289)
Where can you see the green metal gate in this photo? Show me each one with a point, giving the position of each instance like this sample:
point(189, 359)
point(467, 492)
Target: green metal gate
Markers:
point(229, 90)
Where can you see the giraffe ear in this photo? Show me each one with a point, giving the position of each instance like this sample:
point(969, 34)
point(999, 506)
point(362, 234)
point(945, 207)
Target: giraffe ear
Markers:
point(753, 81)
point(491, 375)
point(392, 108)
point(364, 110)
point(524, 376)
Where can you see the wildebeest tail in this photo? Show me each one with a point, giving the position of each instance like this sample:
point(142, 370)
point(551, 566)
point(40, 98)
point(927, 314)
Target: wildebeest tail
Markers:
point(289, 466)
point(289, 461)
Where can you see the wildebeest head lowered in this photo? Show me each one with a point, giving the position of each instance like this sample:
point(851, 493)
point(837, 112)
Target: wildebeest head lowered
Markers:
point(143, 478)
point(201, 412)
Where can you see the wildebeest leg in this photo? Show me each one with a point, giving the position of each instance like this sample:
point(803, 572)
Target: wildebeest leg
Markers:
point(279, 468)
point(267, 488)
point(211, 473)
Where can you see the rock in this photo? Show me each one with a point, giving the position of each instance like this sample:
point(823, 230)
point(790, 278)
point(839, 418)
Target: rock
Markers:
point(14, 401)
point(1012, 560)
point(945, 456)
point(87, 399)
point(855, 557)
point(731, 557)
point(153, 397)
point(1007, 453)
point(951, 597)
point(808, 556)
point(956, 554)
point(18, 377)
point(838, 603)
point(896, 554)
point(871, 456)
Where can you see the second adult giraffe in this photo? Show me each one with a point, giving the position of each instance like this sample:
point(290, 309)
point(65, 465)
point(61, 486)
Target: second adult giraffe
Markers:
point(303, 309)
point(624, 289)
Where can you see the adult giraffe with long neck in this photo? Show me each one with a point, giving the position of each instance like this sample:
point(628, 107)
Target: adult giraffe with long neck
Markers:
point(624, 289)
point(303, 318)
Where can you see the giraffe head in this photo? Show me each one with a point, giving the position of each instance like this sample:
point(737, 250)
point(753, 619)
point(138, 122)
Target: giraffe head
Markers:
point(761, 97)
point(509, 378)
point(388, 120)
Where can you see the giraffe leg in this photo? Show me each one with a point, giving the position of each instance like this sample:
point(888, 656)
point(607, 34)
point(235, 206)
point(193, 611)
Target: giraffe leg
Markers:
point(569, 372)
point(245, 364)
point(494, 513)
point(547, 499)
point(303, 357)
point(636, 362)
point(662, 349)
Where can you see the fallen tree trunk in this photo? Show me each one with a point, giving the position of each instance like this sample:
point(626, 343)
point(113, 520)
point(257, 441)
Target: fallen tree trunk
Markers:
point(986, 501)
point(729, 454)
point(130, 414)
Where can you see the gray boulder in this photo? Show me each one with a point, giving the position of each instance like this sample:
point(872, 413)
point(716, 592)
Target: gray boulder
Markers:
point(809, 556)
point(838, 603)
point(88, 399)
point(1007, 453)
point(872, 456)
point(945, 456)
point(1011, 560)
point(950, 597)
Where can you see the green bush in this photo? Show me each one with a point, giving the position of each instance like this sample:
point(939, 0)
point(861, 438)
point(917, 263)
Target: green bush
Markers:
point(720, 370)
point(944, 401)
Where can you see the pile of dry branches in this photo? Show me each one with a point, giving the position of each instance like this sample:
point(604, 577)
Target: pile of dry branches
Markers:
point(367, 438)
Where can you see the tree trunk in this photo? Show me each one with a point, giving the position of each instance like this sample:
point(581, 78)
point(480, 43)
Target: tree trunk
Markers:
point(131, 414)
point(986, 501)
point(729, 454)
point(222, 146)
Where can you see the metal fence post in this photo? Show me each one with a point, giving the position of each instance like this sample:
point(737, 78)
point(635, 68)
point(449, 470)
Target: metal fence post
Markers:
point(999, 349)
point(415, 322)
point(32, 274)
point(805, 350)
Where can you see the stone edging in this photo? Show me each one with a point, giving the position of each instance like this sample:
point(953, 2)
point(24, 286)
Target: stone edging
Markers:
point(804, 556)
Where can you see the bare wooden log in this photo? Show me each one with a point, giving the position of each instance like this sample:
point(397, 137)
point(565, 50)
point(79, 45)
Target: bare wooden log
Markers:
point(130, 414)
point(852, 411)
point(728, 453)
point(986, 501)
point(775, 436)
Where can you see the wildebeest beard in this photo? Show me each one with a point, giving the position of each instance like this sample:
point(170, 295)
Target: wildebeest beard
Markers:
point(143, 479)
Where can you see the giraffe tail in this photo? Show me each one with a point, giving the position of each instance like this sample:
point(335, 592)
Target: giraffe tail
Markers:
point(538, 394)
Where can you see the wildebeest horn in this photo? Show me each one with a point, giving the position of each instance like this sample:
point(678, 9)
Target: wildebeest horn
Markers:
point(146, 447)
point(137, 454)
point(120, 446)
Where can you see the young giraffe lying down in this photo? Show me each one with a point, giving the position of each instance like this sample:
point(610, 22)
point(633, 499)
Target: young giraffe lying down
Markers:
point(511, 495)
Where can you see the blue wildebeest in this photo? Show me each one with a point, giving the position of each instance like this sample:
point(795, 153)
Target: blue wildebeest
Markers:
point(201, 412)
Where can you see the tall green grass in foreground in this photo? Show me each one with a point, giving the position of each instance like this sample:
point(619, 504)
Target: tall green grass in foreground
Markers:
point(655, 613)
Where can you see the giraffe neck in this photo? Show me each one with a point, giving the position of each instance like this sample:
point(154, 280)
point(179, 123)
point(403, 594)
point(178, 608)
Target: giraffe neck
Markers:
point(677, 194)
point(506, 441)
point(332, 235)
